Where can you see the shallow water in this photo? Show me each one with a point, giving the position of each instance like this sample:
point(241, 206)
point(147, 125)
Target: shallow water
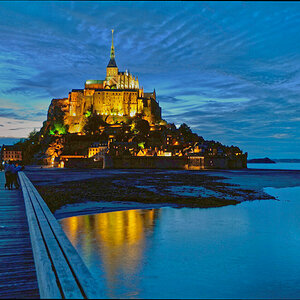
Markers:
point(277, 166)
point(251, 250)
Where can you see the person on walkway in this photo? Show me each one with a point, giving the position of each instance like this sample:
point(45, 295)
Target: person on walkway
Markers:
point(9, 168)
point(15, 171)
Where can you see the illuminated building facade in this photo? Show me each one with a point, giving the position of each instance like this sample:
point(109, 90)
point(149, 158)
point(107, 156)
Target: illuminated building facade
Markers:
point(115, 98)
point(11, 153)
point(97, 151)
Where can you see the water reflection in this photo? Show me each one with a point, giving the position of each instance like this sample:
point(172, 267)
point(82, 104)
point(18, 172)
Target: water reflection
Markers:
point(119, 241)
point(250, 250)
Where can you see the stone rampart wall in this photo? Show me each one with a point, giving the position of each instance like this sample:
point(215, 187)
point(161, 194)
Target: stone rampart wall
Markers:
point(187, 163)
point(149, 162)
point(83, 163)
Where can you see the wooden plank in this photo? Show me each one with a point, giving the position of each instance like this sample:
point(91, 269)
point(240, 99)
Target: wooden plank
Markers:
point(16, 256)
point(66, 279)
point(46, 277)
point(81, 272)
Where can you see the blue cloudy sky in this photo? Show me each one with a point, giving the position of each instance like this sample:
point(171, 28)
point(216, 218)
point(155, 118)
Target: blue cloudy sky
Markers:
point(230, 70)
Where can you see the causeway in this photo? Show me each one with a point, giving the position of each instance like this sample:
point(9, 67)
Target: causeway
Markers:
point(17, 270)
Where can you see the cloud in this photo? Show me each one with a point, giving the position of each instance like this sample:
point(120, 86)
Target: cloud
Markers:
point(280, 135)
point(297, 119)
point(228, 70)
point(21, 114)
point(168, 99)
point(19, 128)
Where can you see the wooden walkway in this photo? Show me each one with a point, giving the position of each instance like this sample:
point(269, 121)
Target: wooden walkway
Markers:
point(61, 273)
point(17, 269)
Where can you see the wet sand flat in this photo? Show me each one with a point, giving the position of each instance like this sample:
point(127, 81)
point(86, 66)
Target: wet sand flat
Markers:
point(76, 191)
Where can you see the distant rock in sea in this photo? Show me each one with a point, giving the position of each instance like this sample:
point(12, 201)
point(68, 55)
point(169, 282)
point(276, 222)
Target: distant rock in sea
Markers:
point(287, 160)
point(265, 160)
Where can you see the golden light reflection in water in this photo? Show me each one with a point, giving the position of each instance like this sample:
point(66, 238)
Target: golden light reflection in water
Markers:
point(117, 238)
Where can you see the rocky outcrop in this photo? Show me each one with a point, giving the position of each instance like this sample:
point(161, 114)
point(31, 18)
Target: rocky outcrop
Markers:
point(265, 160)
point(57, 117)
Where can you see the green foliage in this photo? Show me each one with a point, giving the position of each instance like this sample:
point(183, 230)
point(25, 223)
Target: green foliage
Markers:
point(142, 145)
point(58, 128)
point(87, 113)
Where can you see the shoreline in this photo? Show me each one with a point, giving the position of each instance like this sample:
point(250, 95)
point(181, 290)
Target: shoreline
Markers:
point(92, 208)
point(70, 192)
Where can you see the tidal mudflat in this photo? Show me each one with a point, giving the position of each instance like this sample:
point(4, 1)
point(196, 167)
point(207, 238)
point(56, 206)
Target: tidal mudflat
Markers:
point(71, 192)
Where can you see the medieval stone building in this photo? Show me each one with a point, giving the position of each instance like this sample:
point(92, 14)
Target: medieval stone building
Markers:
point(116, 97)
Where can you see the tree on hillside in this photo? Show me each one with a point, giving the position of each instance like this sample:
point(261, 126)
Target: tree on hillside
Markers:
point(156, 138)
point(30, 146)
point(141, 126)
point(187, 135)
point(184, 129)
point(171, 127)
point(93, 123)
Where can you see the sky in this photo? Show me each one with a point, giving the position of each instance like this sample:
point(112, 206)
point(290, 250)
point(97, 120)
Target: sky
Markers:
point(230, 70)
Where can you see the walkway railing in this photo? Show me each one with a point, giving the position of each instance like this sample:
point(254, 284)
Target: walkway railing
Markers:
point(60, 270)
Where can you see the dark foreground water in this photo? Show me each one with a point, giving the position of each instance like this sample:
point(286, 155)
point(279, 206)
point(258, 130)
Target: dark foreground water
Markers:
point(251, 250)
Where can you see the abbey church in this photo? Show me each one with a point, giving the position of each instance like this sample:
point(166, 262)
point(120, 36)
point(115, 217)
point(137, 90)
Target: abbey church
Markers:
point(117, 97)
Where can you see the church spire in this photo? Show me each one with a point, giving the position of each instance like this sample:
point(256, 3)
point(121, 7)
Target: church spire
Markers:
point(112, 50)
point(112, 62)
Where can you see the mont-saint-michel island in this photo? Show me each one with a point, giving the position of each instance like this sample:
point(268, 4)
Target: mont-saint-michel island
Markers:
point(114, 123)
point(158, 159)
